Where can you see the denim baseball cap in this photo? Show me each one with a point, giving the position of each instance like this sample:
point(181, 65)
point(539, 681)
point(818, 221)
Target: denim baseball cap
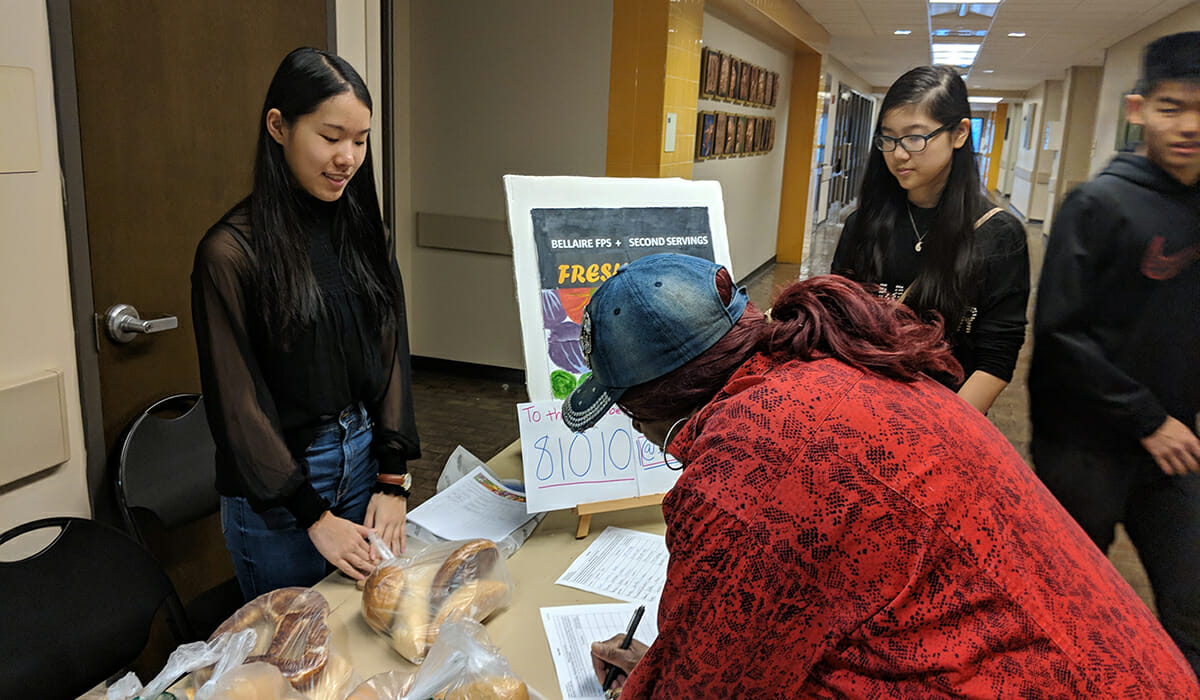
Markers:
point(653, 316)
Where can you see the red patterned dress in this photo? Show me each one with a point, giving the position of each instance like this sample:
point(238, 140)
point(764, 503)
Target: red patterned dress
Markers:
point(837, 534)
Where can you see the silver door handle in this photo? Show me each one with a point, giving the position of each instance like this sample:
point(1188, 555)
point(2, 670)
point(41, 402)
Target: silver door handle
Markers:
point(123, 323)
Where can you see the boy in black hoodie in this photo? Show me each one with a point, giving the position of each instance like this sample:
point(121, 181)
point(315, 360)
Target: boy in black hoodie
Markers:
point(1115, 379)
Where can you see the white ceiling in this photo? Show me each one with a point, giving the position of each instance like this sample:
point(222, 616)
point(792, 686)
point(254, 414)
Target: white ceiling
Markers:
point(1060, 34)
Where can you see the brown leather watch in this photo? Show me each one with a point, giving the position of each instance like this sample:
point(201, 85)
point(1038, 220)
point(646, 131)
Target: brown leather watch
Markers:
point(404, 481)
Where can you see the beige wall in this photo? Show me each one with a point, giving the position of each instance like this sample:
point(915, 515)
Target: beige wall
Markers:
point(35, 301)
point(1122, 63)
point(403, 223)
point(750, 185)
point(1080, 97)
point(495, 88)
point(1008, 158)
point(358, 41)
point(849, 78)
point(1031, 173)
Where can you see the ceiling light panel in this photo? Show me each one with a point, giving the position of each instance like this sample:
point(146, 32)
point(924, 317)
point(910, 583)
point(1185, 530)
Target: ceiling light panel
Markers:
point(954, 54)
point(964, 33)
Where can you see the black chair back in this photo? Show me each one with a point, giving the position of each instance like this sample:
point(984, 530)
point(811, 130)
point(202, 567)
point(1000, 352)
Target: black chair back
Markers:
point(166, 467)
point(77, 612)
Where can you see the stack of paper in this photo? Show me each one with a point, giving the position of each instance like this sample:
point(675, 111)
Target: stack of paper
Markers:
point(477, 505)
point(624, 564)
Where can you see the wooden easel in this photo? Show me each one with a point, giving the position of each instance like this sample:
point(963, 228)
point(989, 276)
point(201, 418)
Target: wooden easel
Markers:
point(585, 511)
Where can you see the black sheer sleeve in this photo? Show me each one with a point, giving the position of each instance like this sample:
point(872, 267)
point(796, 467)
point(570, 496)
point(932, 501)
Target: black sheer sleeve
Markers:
point(251, 450)
point(395, 431)
point(841, 254)
point(1000, 326)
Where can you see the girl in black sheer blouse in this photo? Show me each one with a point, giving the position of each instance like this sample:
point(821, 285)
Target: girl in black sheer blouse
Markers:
point(303, 342)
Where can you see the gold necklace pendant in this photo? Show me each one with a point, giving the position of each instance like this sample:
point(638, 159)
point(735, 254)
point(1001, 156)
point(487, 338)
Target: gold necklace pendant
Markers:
point(920, 237)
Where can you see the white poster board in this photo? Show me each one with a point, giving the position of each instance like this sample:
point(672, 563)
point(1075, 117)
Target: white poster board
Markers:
point(570, 234)
point(608, 461)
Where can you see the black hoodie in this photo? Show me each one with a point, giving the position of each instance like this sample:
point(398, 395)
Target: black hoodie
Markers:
point(1117, 326)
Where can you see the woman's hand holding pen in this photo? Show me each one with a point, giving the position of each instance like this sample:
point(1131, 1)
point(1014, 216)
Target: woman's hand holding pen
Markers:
point(610, 652)
point(343, 543)
point(385, 515)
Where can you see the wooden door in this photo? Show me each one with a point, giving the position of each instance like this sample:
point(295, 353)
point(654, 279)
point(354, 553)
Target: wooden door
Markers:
point(169, 99)
point(169, 96)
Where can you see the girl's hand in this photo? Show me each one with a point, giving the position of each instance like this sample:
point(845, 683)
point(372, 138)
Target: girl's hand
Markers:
point(343, 544)
point(385, 515)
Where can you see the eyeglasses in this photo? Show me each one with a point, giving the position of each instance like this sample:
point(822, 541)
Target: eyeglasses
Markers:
point(913, 143)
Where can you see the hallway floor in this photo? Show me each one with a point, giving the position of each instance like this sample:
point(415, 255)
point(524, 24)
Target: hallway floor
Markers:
point(479, 412)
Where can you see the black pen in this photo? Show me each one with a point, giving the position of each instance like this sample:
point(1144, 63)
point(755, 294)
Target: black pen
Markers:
point(611, 676)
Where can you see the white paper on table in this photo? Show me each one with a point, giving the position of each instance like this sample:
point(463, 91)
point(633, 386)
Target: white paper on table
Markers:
point(624, 564)
point(477, 505)
point(571, 629)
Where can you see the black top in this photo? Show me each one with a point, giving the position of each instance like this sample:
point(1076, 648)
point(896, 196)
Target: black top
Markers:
point(1117, 325)
point(264, 401)
point(991, 333)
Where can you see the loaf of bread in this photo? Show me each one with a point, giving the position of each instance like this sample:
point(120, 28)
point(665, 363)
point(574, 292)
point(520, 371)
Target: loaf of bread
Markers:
point(473, 561)
point(476, 600)
point(410, 625)
point(333, 681)
point(497, 688)
point(292, 634)
point(389, 685)
point(381, 596)
point(410, 597)
point(255, 681)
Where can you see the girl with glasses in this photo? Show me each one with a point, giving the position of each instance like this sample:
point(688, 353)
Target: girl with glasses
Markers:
point(924, 232)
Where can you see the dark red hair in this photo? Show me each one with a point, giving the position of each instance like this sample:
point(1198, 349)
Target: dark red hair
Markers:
point(826, 316)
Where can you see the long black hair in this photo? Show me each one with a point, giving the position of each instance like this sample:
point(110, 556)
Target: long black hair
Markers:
point(290, 296)
point(950, 270)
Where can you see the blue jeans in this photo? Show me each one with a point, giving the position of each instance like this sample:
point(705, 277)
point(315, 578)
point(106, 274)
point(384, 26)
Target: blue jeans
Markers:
point(1161, 514)
point(269, 550)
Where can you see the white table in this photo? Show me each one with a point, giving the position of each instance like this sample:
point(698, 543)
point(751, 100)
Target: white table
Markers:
point(517, 630)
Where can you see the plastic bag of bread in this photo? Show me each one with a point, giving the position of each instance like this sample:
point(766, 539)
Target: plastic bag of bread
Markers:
point(389, 685)
point(252, 681)
point(184, 661)
point(461, 665)
point(407, 598)
point(292, 635)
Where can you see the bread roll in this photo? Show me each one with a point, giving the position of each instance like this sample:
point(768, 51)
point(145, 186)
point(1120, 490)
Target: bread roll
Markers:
point(410, 625)
point(334, 680)
point(389, 685)
point(472, 561)
point(476, 600)
point(292, 632)
point(255, 681)
point(381, 596)
point(496, 688)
